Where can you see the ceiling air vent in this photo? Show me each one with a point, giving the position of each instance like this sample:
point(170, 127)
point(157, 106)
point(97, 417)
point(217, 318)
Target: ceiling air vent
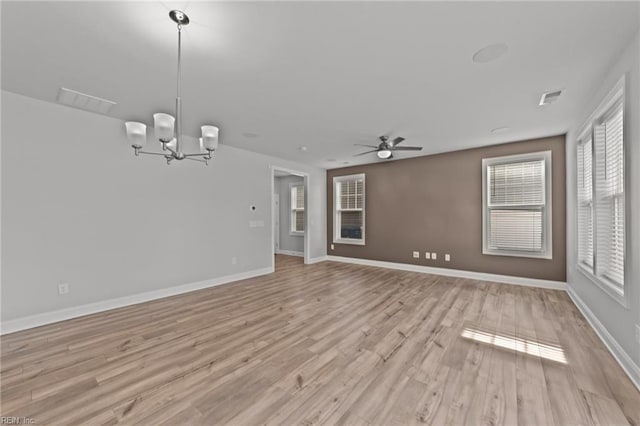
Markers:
point(550, 97)
point(83, 101)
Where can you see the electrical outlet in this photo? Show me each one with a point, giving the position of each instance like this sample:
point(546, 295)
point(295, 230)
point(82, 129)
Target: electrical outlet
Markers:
point(332, 247)
point(434, 255)
point(63, 289)
point(447, 257)
point(427, 255)
point(416, 254)
point(234, 260)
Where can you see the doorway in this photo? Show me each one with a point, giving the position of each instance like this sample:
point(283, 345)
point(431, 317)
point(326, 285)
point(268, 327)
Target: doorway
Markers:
point(276, 222)
point(289, 230)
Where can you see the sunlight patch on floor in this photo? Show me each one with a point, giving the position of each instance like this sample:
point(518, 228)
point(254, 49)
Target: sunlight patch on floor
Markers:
point(530, 347)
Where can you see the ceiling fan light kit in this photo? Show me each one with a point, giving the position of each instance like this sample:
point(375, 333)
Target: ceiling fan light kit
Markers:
point(384, 154)
point(385, 149)
point(168, 128)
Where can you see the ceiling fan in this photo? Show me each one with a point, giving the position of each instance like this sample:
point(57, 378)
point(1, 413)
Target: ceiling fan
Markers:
point(385, 148)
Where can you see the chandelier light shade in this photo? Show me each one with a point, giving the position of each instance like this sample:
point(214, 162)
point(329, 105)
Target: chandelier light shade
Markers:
point(167, 128)
point(163, 125)
point(209, 138)
point(137, 134)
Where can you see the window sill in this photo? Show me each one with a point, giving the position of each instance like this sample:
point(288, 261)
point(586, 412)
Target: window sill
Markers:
point(604, 286)
point(547, 256)
point(346, 241)
point(296, 233)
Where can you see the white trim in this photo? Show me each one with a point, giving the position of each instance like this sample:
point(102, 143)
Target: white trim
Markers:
point(602, 284)
point(349, 241)
point(105, 305)
point(625, 361)
point(339, 240)
point(290, 253)
point(616, 94)
point(547, 234)
point(307, 235)
point(505, 279)
point(605, 104)
point(292, 231)
point(317, 260)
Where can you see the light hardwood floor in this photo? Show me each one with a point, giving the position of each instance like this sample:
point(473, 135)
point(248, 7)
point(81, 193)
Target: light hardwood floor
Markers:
point(327, 343)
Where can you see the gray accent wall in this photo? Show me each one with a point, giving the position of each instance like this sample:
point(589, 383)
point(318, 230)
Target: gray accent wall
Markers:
point(78, 207)
point(288, 242)
point(619, 321)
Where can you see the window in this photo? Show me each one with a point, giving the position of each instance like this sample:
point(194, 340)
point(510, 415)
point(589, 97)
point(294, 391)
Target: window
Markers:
point(601, 195)
point(585, 202)
point(297, 209)
point(348, 209)
point(516, 193)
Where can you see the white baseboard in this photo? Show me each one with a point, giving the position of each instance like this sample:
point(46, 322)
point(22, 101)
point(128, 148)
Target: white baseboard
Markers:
point(290, 253)
point(506, 279)
point(317, 260)
point(92, 308)
point(625, 361)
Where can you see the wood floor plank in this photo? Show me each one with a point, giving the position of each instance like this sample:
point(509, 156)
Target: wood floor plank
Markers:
point(329, 343)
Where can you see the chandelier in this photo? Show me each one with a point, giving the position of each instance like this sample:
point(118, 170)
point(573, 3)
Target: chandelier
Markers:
point(167, 128)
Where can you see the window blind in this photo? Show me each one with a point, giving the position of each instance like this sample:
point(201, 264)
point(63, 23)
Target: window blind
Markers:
point(585, 202)
point(297, 208)
point(515, 206)
point(349, 213)
point(609, 196)
point(519, 230)
point(298, 197)
point(517, 183)
point(351, 194)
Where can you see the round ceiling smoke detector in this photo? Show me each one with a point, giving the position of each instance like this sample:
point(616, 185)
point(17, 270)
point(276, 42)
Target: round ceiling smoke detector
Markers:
point(490, 53)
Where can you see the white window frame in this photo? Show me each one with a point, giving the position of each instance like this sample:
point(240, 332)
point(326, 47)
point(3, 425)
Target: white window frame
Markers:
point(585, 137)
point(293, 210)
point(547, 237)
point(336, 210)
point(615, 95)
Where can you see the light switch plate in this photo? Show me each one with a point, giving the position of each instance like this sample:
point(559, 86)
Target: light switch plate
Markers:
point(427, 255)
point(416, 254)
point(434, 255)
point(447, 257)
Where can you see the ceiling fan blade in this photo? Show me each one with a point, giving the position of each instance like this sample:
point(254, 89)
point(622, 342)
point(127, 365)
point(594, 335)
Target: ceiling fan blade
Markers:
point(368, 146)
point(406, 148)
point(396, 141)
point(363, 153)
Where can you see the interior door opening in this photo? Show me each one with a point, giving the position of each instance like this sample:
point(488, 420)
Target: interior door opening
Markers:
point(289, 217)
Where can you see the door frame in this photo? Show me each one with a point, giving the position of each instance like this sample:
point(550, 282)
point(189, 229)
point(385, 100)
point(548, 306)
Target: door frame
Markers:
point(307, 237)
point(275, 211)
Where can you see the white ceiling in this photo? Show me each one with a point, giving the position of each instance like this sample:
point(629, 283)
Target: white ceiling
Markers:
point(324, 75)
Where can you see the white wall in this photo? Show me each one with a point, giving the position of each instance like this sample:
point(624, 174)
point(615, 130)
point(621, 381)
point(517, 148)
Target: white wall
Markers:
point(79, 207)
point(288, 242)
point(617, 320)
